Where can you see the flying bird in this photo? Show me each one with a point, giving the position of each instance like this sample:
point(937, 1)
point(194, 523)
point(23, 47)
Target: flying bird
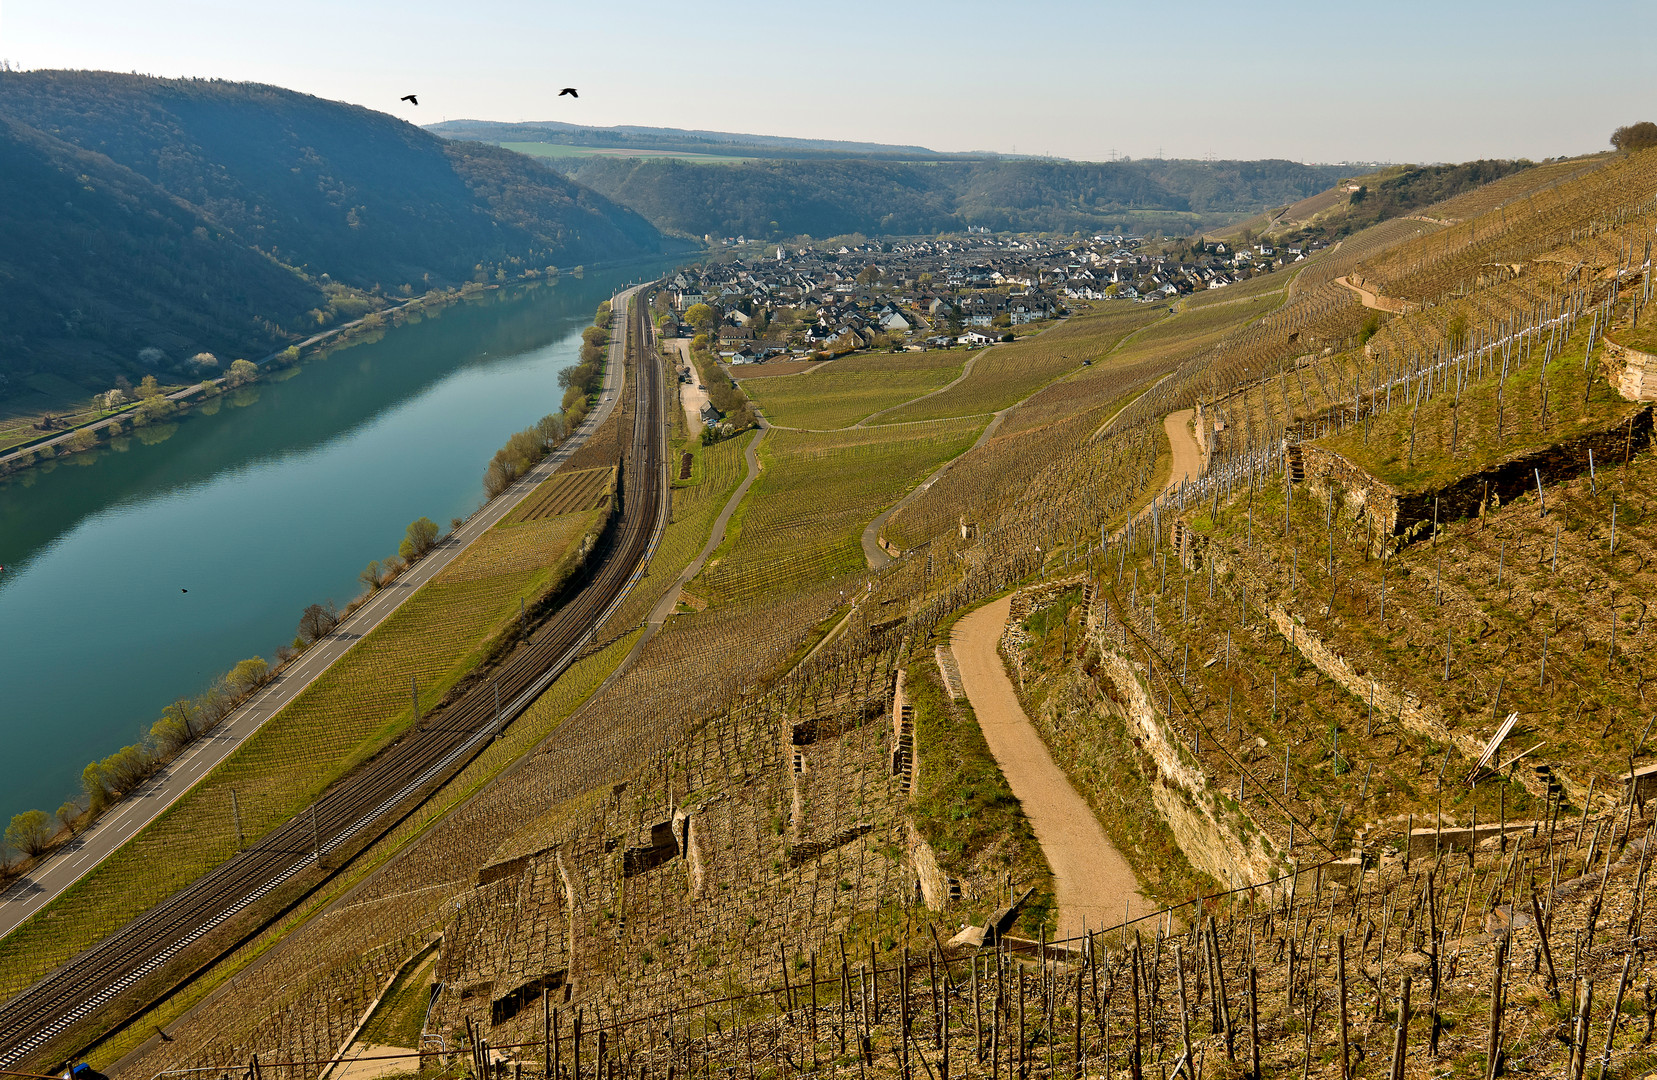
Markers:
point(570, 91)
point(410, 98)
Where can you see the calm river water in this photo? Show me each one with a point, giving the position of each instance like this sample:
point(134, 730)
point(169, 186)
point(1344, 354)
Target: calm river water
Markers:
point(275, 500)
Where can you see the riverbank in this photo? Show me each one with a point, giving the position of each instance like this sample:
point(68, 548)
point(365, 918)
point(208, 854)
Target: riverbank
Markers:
point(293, 689)
point(95, 433)
point(273, 497)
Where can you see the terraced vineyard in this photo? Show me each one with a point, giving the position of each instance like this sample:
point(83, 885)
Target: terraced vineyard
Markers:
point(803, 519)
point(846, 391)
point(566, 493)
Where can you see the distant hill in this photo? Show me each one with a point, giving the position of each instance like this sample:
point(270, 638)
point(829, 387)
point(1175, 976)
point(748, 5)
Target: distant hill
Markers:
point(782, 198)
point(670, 140)
point(184, 215)
point(1358, 201)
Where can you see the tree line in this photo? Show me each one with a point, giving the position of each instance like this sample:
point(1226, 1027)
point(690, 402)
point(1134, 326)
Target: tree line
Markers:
point(527, 448)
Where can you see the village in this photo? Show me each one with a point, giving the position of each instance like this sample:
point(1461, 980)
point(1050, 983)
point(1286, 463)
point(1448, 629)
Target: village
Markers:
point(783, 303)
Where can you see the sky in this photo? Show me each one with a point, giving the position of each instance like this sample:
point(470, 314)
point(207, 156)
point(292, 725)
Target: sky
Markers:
point(1404, 81)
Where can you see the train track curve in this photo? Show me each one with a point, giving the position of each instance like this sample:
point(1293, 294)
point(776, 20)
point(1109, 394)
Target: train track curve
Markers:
point(157, 950)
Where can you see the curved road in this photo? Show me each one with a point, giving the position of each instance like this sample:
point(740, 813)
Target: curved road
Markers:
point(242, 893)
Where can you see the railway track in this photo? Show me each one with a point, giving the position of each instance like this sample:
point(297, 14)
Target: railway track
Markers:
point(292, 859)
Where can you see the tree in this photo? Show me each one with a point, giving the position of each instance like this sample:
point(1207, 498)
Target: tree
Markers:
point(181, 722)
point(96, 786)
point(1638, 136)
point(701, 316)
point(112, 399)
point(372, 575)
point(248, 675)
point(419, 540)
point(149, 387)
point(869, 275)
point(242, 372)
point(203, 363)
point(316, 620)
point(29, 832)
point(69, 814)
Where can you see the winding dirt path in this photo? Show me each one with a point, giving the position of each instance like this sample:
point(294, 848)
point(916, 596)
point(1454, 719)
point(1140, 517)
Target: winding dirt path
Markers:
point(1371, 300)
point(1187, 451)
point(1093, 883)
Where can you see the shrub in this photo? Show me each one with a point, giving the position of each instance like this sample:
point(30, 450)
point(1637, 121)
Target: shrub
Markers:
point(1638, 136)
point(29, 832)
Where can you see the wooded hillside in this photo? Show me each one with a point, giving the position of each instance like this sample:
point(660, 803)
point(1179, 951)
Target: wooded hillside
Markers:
point(194, 214)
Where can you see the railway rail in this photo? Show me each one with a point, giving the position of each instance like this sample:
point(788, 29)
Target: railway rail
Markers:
point(225, 904)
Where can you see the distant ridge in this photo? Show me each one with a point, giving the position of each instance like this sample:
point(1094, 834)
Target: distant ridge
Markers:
point(679, 140)
point(143, 220)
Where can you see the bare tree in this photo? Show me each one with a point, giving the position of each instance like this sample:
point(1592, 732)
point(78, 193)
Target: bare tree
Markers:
point(316, 620)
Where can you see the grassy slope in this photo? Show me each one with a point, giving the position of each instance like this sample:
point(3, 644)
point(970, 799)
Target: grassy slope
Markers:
point(963, 806)
point(696, 504)
point(802, 520)
point(1447, 447)
point(1005, 374)
point(848, 390)
point(358, 706)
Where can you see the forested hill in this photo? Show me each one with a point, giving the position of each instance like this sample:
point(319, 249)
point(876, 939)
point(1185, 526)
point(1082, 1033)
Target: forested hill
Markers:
point(182, 215)
point(820, 198)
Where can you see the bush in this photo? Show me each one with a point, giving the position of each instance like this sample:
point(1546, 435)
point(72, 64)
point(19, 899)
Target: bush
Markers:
point(524, 450)
point(29, 832)
point(242, 372)
point(419, 540)
point(1638, 136)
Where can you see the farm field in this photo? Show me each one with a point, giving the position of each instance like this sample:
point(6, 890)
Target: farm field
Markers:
point(745, 372)
point(1440, 440)
point(1152, 349)
point(566, 493)
point(802, 521)
point(849, 390)
point(356, 707)
point(717, 471)
point(1004, 374)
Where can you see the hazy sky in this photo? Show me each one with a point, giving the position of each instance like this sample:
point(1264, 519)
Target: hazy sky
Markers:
point(1410, 81)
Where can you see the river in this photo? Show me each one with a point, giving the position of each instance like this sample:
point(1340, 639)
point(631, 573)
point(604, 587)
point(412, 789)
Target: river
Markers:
point(136, 574)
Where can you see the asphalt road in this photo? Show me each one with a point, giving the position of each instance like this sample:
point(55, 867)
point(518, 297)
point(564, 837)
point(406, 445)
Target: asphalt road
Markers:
point(48, 880)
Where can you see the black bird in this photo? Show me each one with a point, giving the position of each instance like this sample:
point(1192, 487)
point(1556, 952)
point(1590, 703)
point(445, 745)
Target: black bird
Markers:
point(410, 98)
point(184, 590)
point(570, 91)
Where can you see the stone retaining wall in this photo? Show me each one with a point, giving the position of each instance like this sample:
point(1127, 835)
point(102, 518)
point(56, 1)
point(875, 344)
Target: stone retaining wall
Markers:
point(1632, 372)
point(1397, 516)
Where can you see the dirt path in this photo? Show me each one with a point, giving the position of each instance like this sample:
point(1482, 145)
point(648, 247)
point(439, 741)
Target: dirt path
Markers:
point(691, 396)
point(1370, 300)
point(1187, 452)
point(1093, 883)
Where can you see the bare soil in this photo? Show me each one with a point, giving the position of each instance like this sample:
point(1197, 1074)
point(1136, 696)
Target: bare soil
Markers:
point(1093, 883)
